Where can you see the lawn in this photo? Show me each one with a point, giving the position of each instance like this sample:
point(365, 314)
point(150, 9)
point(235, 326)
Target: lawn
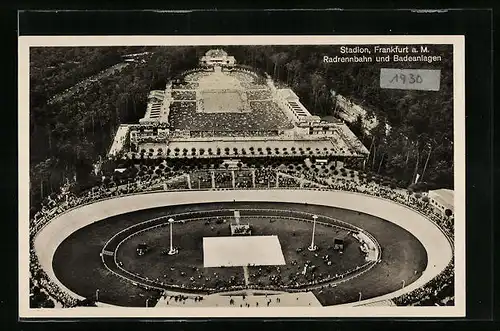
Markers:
point(187, 267)
point(222, 102)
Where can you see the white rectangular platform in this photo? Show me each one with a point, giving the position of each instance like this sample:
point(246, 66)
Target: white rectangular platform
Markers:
point(242, 251)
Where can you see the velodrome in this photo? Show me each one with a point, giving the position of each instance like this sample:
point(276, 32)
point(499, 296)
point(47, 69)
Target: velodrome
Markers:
point(330, 223)
point(437, 245)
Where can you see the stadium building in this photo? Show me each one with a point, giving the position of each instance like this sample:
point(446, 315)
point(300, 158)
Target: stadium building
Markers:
point(223, 110)
point(442, 200)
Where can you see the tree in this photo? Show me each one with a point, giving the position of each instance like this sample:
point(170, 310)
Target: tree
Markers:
point(317, 84)
point(278, 59)
point(293, 69)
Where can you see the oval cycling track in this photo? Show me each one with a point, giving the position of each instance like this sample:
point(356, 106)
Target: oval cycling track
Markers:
point(78, 265)
point(120, 212)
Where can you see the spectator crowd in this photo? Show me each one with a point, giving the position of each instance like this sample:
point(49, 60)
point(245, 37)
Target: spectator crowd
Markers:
point(265, 177)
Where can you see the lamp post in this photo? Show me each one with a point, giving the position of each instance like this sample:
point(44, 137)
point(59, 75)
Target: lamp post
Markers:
point(359, 296)
point(172, 250)
point(313, 247)
point(403, 284)
point(147, 302)
point(97, 295)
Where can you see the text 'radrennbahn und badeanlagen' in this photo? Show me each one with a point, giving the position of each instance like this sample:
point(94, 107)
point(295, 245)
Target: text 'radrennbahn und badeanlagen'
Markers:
point(395, 53)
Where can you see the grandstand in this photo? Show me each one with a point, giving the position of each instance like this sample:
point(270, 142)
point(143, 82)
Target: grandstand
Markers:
point(221, 103)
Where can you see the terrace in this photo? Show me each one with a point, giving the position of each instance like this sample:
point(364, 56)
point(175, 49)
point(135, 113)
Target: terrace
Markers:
point(264, 115)
point(246, 147)
point(179, 95)
point(255, 95)
point(184, 86)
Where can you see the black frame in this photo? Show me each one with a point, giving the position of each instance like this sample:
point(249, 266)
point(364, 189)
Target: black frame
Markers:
point(475, 24)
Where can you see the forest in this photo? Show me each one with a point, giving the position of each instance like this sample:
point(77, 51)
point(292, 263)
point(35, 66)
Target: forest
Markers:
point(421, 139)
point(68, 137)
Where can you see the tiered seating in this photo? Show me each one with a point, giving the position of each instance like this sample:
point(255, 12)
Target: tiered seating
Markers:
point(179, 95)
point(195, 74)
point(265, 116)
point(247, 79)
point(41, 280)
point(341, 144)
point(353, 145)
point(223, 179)
point(262, 94)
point(243, 179)
point(201, 179)
point(209, 134)
point(439, 291)
point(265, 178)
point(179, 184)
point(285, 181)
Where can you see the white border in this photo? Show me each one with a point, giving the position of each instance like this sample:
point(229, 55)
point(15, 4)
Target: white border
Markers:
point(25, 42)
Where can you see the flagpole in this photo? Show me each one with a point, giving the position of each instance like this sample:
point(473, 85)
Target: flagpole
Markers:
point(172, 250)
point(313, 247)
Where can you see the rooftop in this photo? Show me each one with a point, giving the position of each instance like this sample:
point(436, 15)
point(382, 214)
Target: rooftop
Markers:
point(216, 53)
point(445, 197)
